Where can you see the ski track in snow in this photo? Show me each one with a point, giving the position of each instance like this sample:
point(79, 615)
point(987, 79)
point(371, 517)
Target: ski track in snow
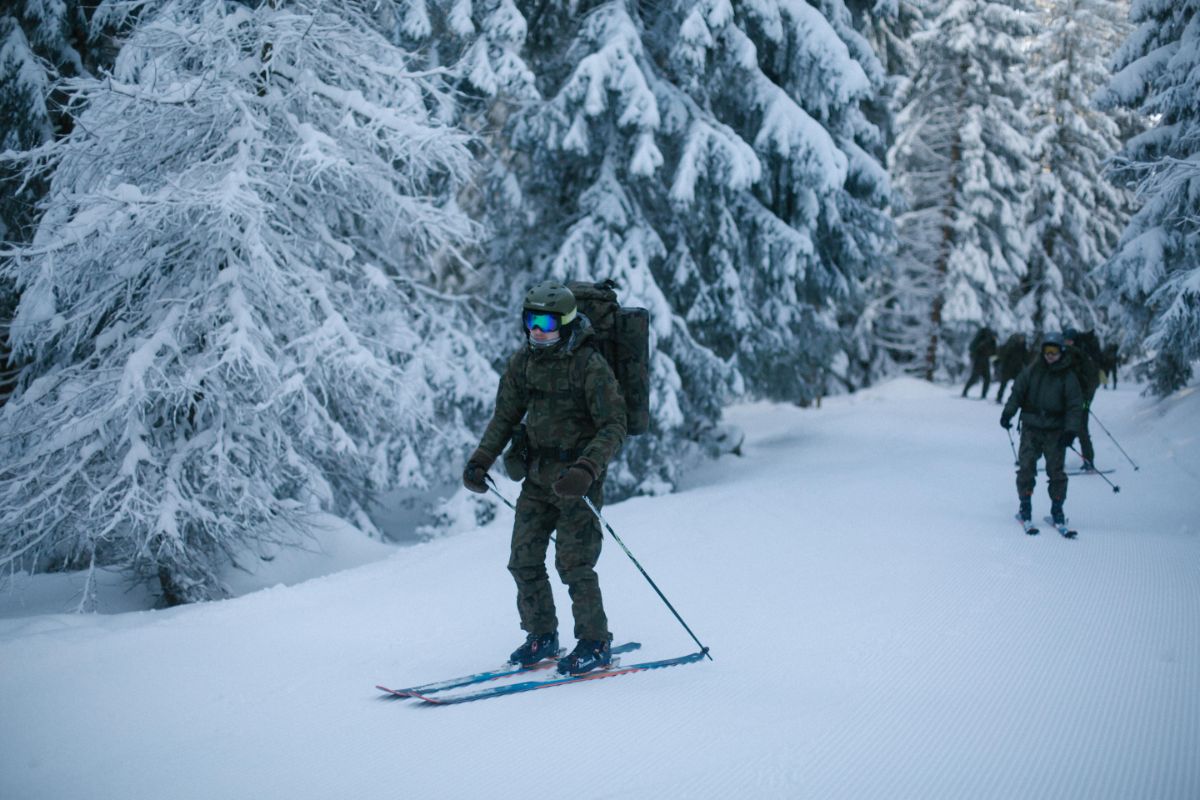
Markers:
point(881, 628)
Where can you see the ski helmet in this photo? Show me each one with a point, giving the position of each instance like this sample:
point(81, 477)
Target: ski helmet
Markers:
point(1053, 339)
point(551, 297)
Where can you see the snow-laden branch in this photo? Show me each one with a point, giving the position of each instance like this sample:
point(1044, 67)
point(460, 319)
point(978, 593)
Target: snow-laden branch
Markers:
point(231, 308)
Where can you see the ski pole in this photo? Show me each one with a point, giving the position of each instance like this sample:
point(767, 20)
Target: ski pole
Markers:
point(495, 491)
point(1115, 488)
point(1114, 440)
point(616, 538)
point(1012, 444)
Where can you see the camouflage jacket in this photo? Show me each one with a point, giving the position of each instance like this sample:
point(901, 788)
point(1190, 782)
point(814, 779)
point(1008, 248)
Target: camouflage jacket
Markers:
point(565, 417)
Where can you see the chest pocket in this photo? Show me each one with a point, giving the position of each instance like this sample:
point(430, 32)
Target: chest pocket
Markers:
point(557, 388)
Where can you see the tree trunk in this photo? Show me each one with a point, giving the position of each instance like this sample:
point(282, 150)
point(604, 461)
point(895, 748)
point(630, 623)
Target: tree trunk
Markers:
point(943, 262)
point(942, 267)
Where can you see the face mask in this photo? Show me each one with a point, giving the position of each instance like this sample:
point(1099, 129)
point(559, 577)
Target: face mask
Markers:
point(552, 339)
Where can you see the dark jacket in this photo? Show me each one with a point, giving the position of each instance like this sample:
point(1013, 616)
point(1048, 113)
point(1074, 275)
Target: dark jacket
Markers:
point(1086, 370)
point(983, 346)
point(1013, 357)
point(569, 400)
point(1048, 397)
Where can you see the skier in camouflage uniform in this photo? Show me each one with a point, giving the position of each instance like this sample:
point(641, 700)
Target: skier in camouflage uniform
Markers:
point(1087, 370)
point(1048, 395)
point(573, 412)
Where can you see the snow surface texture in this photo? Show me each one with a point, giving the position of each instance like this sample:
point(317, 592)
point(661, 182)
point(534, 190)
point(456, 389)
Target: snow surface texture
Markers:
point(881, 627)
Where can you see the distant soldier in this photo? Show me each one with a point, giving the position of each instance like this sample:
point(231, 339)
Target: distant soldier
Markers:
point(1110, 359)
point(1011, 359)
point(982, 348)
point(574, 422)
point(1083, 350)
point(1051, 404)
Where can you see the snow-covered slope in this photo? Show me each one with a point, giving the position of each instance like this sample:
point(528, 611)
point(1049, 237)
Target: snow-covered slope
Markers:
point(880, 625)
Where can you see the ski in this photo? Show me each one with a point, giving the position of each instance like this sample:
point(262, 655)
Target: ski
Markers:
point(1027, 525)
point(1077, 472)
point(1063, 529)
point(490, 675)
point(529, 686)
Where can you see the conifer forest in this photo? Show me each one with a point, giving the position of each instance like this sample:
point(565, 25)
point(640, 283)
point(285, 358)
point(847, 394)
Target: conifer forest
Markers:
point(264, 258)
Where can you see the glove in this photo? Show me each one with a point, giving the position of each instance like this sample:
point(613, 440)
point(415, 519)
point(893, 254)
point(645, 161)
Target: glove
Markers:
point(1005, 422)
point(578, 478)
point(1066, 438)
point(476, 471)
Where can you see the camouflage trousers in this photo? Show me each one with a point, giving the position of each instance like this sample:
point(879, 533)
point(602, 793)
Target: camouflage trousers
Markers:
point(577, 549)
point(1034, 444)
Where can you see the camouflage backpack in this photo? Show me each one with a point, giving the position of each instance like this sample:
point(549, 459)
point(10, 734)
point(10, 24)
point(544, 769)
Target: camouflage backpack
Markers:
point(622, 336)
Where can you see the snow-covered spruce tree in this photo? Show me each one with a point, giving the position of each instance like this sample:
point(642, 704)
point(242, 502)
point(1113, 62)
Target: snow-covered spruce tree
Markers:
point(41, 40)
point(231, 305)
point(715, 162)
point(1153, 279)
point(888, 26)
point(583, 165)
point(1076, 215)
point(35, 43)
point(812, 81)
point(530, 190)
point(963, 164)
point(478, 41)
point(477, 44)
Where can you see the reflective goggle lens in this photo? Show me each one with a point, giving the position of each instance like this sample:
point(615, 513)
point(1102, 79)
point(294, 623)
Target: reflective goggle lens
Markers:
point(547, 322)
point(1051, 349)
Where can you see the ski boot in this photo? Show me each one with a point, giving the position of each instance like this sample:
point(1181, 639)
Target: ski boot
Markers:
point(1056, 513)
point(537, 647)
point(1025, 512)
point(588, 655)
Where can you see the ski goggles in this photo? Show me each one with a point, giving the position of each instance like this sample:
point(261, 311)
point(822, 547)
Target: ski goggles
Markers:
point(547, 322)
point(1051, 350)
